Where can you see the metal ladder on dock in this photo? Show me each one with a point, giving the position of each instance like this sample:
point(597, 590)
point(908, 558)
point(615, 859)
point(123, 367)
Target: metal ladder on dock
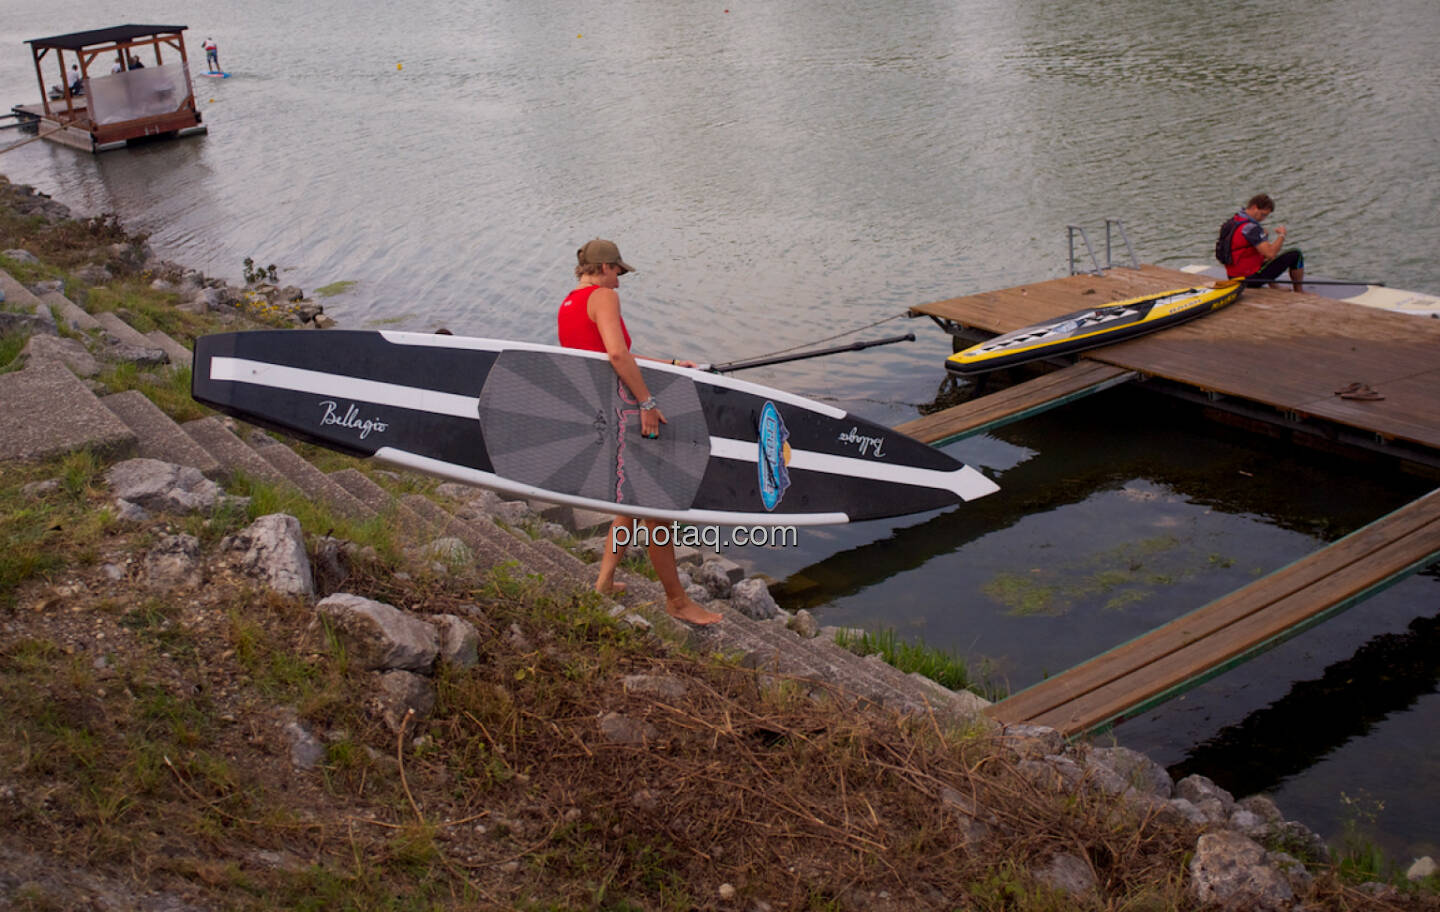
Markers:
point(1072, 230)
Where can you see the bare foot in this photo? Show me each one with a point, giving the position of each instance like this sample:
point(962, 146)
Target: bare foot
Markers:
point(611, 589)
point(686, 610)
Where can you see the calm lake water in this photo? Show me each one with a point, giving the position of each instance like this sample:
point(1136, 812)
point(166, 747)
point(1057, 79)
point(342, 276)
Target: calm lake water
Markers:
point(783, 173)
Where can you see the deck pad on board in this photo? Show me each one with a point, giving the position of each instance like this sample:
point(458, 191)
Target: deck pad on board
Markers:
point(569, 425)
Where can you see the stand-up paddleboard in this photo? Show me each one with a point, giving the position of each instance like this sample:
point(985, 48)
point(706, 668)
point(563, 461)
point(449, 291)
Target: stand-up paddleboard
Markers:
point(215, 74)
point(1094, 327)
point(556, 424)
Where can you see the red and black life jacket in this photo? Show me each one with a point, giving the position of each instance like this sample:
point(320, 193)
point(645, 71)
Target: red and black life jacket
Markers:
point(1231, 248)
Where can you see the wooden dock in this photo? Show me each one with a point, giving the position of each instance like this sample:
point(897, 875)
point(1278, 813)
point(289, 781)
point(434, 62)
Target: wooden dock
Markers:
point(1139, 675)
point(1014, 403)
point(1275, 355)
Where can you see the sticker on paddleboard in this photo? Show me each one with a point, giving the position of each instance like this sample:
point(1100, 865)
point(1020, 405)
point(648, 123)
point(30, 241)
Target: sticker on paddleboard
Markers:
point(774, 453)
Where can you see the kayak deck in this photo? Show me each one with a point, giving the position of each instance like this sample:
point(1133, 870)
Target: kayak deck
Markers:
point(1094, 327)
point(1282, 355)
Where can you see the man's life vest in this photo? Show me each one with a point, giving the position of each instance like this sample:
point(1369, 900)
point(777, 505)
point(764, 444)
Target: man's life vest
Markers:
point(1237, 254)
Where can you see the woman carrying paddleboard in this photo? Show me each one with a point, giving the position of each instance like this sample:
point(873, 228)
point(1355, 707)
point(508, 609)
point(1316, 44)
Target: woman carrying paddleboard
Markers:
point(589, 319)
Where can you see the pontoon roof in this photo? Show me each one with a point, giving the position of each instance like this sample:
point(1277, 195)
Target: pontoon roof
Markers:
point(119, 33)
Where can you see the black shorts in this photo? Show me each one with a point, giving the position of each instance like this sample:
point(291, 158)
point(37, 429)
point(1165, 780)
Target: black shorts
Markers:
point(1290, 259)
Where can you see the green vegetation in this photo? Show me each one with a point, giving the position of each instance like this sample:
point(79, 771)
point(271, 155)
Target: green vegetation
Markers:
point(42, 533)
point(939, 666)
point(1126, 575)
point(335, 288)
point(11, 344)
point(169, 389)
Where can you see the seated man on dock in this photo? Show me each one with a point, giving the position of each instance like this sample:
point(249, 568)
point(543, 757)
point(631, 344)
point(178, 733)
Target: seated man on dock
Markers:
point(1247, 251)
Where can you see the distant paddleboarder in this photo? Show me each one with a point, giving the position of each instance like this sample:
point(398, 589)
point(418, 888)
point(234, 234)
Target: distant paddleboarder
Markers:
point(212, 55)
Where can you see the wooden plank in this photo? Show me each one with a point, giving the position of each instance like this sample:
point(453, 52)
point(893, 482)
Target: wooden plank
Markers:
point(1198, 661)
point(1016, 402)
point(1206, 620)
point(1044, 697)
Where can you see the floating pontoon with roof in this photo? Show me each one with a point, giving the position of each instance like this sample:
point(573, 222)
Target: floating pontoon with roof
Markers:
point(148, 100)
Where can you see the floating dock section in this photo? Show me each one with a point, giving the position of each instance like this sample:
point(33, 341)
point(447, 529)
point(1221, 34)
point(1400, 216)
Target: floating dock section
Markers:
point(1147, 671)
point(118, 97)
point(1275, 359)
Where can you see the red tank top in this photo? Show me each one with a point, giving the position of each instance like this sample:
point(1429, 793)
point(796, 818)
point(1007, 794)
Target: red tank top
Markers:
point(576, 329)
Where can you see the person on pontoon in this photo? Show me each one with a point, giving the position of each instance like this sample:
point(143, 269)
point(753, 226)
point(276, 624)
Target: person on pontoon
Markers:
point(1251, 253)
point(77, 82)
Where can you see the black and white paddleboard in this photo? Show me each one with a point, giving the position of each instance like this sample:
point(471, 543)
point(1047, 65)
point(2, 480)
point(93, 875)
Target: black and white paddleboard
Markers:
point(557, 425)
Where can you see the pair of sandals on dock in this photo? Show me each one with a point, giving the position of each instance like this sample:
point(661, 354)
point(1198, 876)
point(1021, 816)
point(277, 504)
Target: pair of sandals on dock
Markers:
point(1358, 390)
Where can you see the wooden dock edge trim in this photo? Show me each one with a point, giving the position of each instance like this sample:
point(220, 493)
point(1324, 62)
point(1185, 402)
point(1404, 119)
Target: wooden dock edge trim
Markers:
point(1124, 698)
point(1037, 699)
point(970, 418)
point(1097, 386)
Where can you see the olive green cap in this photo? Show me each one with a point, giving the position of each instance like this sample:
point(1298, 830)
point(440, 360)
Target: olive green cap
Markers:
point(602, 251)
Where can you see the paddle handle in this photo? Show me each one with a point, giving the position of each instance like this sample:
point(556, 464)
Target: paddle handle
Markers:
point(781, 359)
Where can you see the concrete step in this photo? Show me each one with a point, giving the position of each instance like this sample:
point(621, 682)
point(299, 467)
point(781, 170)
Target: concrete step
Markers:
point(490, 552)
point(158, 435)
point(916, 691)
point(761, 646)
point(769, 646)
point(117, 327)
point(48, 412)
point(19, 299)
point(560, 577)
point(17, 295)
point(869, 679)
point(516, 542)
point(408, 522)
point(314, 482)
point(180, 356)
point(558, 563)
point(70, 313)
point(568, 563)
point(233, 454)
point(578, 521)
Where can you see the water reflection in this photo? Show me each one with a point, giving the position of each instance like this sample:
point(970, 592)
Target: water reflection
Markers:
point(1387, 675)
point(1101, 444)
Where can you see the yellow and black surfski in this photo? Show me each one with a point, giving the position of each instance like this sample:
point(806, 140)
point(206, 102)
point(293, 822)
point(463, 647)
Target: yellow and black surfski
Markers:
point(1094, 327)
